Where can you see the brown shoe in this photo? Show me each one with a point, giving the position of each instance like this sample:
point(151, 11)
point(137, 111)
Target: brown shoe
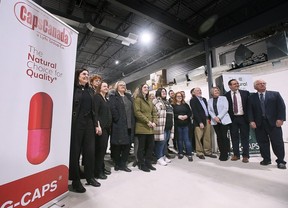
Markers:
point(234, 158)
point(245, 160)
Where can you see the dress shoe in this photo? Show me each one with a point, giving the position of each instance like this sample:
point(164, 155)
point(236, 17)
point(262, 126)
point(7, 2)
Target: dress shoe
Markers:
point(281, 166)
point(223, 158)
point(116, 168)
point(126, 169)
point(101, 176)
point(93, 182)
point(211, 155)
point(180, 156)
point(78, 187)
point(264, 162)
point(245, 160)
point(144, 168)
point(234, 158)
point(190, 158)
point(201, 157)
point(150, 167)
point(107, 172)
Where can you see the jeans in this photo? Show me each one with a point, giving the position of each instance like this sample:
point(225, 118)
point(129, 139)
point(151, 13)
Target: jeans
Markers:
point(161, 146)
point(183, 136)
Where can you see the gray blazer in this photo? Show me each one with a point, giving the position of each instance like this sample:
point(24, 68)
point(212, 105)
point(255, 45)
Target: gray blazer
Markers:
point(222, 107)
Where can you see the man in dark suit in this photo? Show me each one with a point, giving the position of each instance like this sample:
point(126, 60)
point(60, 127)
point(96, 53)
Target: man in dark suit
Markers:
point(202, 125)
point(238, 103)
point(267, 112)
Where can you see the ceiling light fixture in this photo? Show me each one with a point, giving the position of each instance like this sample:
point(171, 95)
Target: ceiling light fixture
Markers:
point(146, 38)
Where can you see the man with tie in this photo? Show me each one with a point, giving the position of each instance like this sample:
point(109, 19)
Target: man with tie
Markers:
point(267, 112)
point(201, 121)
point(238, 103)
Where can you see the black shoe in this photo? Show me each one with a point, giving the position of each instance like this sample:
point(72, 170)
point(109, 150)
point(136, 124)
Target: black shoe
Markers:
point(170, 156)
point(264, 162)
point(201, 157)
point(93, 182)
point(281, 166)
point(126, 169)
point(144, 168)
point(116, 168)
point(107, 172)
point(211, 155)
point(180, 156)
point(223, 158)
point(78, 187)
point(190, 158)
point(150, 167)
point(101, 176)
point(170, 152)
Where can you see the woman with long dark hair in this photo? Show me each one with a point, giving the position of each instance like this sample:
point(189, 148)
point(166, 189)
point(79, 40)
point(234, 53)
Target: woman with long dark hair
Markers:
point(82, 132)
point(146, 119)
point(164, 129)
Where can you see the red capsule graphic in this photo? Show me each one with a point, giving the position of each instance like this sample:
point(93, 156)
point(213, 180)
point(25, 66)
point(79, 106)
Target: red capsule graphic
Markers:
point(39, 128)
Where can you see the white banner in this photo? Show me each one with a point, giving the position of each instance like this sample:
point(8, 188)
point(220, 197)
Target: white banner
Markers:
point(245, 80)
point(38, 54)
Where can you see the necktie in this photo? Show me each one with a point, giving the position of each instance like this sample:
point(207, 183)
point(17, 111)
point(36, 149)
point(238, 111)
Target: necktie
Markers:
point(235, 104)
point(215, 106)
point(262, 104)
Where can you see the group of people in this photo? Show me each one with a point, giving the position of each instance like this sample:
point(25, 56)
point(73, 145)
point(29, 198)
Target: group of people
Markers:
point(100, 113)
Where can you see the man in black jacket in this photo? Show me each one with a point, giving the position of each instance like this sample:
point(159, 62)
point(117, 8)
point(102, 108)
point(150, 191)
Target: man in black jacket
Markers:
point(267, 112)
point(238, 103)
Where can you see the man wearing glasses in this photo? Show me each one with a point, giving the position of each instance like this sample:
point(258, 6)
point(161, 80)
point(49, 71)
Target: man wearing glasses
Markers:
point(267, 112)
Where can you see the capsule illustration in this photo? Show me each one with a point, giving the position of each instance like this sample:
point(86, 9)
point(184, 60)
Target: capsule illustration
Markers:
point(39, 128)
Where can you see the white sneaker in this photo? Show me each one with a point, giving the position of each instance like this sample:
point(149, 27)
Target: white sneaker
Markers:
point(161, 161)
point(166, 159)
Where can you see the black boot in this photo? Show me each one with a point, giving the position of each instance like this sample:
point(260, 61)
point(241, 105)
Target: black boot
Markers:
point(150, 167)
point(78, 187)
point(143, 167)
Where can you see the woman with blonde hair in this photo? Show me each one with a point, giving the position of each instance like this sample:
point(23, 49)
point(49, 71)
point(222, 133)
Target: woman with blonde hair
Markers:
point(122, 125)
point(220, 119)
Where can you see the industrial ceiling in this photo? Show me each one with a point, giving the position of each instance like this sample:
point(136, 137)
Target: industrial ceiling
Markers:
point(110, 30)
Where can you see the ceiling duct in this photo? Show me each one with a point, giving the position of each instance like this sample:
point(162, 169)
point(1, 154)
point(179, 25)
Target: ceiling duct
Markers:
point(126, 39)
point(242, 53)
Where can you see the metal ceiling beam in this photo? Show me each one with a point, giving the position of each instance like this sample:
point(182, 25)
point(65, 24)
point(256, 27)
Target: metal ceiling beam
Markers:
point(177, 57)
point(271, 17)
point(156, 15)
point(253, 25)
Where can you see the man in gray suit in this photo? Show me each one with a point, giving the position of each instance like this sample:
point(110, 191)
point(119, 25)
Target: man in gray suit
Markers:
point(267, 112)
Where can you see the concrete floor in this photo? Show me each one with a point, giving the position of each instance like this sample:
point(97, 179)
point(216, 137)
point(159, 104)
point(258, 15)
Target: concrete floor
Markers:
point(201, 184)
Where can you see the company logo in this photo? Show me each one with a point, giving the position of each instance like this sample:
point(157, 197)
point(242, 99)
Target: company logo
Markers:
point(32, 18)
point(35, 190)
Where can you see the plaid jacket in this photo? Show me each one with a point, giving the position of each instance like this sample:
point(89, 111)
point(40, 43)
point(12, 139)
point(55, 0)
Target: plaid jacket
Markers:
point(160, 125)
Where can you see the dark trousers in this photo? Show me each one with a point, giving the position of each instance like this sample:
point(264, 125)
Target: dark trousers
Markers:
point(145, 148)
point(266, 134)
point(120, 154)
point(222, 140)
point(240, 124)
point(101, 144)
point(82, 140)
